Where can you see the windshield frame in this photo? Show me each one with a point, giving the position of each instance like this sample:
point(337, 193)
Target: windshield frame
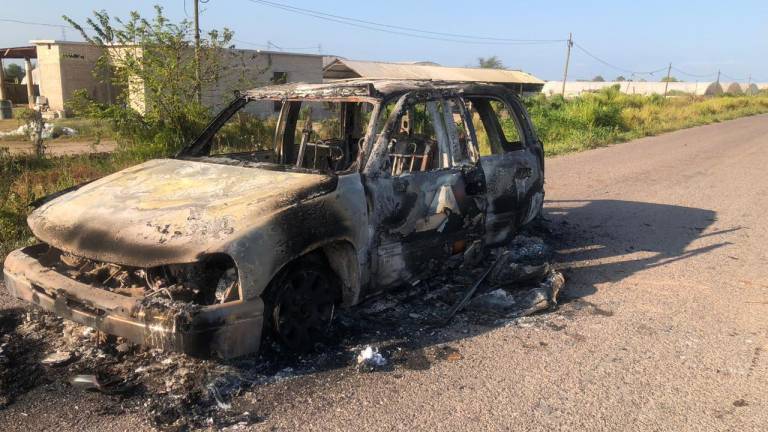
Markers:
point(200, 147)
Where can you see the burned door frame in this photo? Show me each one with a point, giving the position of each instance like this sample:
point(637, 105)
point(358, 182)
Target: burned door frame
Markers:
point(514, 179)
point(419, 218)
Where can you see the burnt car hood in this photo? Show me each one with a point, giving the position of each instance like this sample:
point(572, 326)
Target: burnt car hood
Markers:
point(169, 210)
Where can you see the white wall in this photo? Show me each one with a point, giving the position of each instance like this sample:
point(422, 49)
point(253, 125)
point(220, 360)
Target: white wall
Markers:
point(575, 88)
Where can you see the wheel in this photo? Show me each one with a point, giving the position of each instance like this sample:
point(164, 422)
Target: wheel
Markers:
point(302, 305)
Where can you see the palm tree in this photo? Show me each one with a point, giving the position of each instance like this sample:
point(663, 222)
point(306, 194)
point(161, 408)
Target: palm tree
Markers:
point(491, 62)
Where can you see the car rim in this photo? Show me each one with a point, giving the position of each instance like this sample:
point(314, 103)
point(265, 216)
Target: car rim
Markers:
point(303, 315)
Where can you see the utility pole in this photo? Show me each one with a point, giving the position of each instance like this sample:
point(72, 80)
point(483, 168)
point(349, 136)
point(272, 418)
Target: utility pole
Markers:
point(718, 76)
point(198, 86)
point(666, 84)
point(567, 60)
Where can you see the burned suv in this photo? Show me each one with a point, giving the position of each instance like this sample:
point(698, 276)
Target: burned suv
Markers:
point(297, 199)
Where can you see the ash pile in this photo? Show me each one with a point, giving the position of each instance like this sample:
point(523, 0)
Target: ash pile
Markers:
point(404, 328)
point(486, 289)
point(174, 391)
point(521, 281)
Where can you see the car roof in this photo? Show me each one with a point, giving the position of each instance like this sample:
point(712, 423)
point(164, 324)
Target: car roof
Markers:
point(367, 88)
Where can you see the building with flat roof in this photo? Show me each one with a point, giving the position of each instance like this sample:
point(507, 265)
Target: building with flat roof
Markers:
point(64, 67)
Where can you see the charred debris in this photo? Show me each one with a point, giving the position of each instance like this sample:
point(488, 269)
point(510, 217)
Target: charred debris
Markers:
point(203, 283)
point(401, 329)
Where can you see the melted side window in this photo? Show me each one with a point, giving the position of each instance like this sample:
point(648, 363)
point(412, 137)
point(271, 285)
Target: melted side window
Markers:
point(496, 126)
point(430, 135)
point(413, 145)
point(314, 135)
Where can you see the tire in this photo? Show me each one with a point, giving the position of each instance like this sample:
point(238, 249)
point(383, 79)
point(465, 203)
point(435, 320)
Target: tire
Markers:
point(301, 304)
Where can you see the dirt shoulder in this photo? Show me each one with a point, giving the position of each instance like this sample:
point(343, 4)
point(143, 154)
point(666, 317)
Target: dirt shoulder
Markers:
point(61, 148)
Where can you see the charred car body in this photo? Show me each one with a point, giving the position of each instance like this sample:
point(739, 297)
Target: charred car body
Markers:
point(270, 223)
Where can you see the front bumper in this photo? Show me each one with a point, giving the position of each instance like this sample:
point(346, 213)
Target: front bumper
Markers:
point(224, 330)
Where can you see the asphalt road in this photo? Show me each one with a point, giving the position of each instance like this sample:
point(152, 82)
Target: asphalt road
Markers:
point(663, 326)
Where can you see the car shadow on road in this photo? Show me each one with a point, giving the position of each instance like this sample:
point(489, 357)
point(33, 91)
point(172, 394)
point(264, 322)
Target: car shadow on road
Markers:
point(595, 242)
point(602, 241)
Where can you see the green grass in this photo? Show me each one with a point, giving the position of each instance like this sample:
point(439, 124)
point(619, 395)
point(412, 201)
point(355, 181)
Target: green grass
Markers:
point(564, 126)
point(24, 179)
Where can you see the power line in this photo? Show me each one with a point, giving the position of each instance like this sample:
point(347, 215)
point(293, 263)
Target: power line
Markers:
point(710, 75)
point(408, 31)
point(732, 78)
point(405, 31)
point(619, 68)
point(34, 23)
point(59, 26)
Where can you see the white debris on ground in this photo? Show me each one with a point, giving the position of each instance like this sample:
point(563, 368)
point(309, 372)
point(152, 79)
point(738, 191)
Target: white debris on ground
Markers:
point(49, 131)
point(496, 299)
point(512, 300)
point(369, 359)
point(58, 358)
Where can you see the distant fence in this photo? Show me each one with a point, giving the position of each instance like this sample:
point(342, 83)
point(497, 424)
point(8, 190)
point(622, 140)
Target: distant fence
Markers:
point(17, 93)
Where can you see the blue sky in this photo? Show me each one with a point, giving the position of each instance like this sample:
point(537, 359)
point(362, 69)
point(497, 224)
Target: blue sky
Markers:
point(697, 37)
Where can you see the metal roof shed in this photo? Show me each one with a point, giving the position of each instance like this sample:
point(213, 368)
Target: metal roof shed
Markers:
point(516, 80)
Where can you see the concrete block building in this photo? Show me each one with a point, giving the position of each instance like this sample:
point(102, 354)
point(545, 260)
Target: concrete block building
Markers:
point(64, 67)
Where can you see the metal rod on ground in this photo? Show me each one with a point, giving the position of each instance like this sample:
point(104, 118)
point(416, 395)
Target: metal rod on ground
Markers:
point(198, 87)
point(567, 60)
point(460, 305)
point(666, 84)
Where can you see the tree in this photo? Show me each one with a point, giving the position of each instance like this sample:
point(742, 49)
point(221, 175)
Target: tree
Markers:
point(598, 78)
point(491, 62)
point(14, 73)
point(152, 58)
point(669, 79)
point(620, 78)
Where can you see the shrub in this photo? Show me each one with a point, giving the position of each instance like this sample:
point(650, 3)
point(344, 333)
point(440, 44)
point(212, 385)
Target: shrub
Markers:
point(155, 56)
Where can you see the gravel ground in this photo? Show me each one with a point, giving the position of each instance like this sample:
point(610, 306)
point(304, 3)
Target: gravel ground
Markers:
point(662, 325)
